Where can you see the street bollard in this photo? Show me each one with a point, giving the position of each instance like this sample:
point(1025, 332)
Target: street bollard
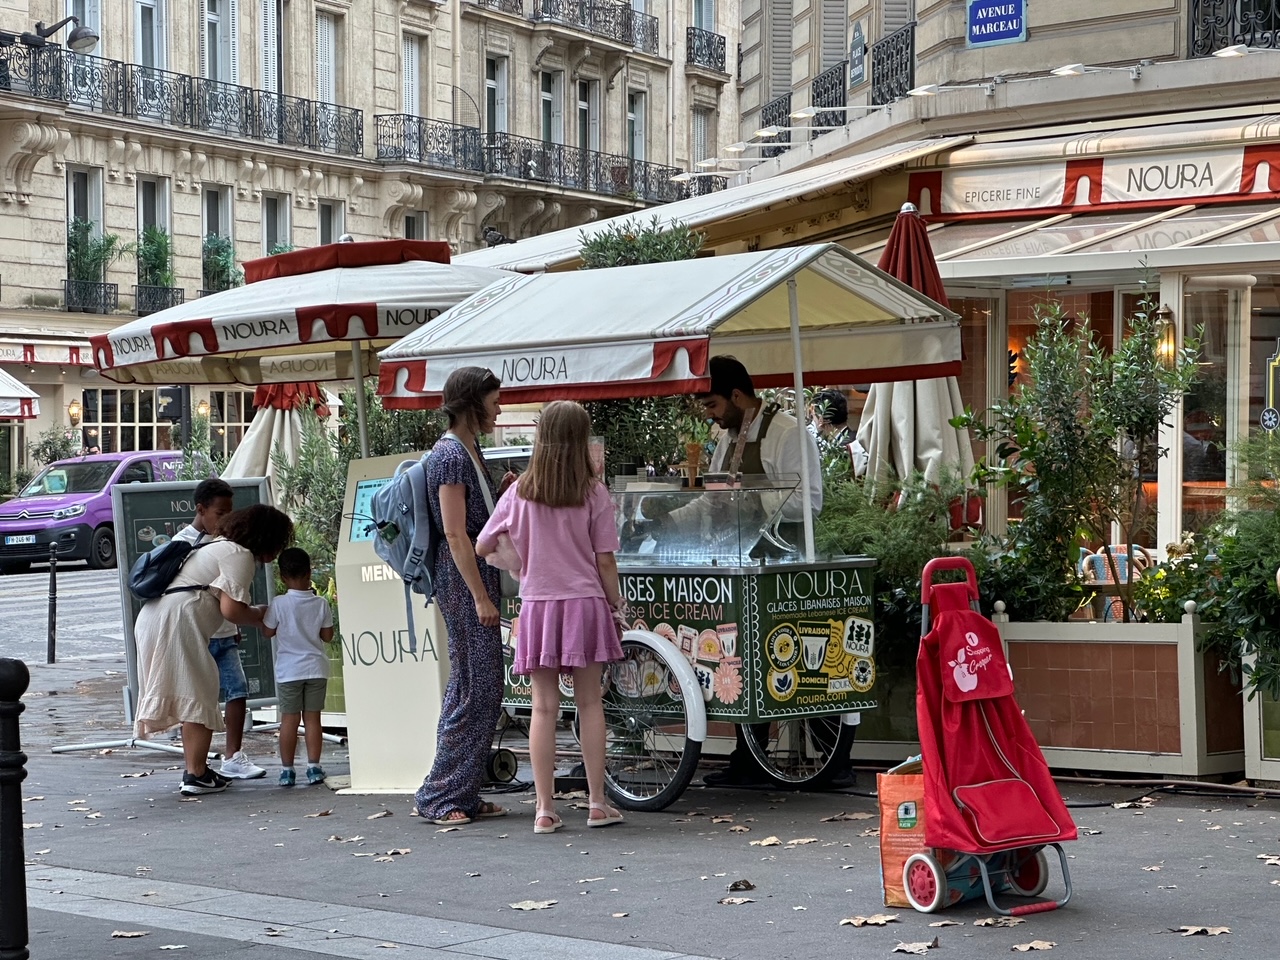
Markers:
point(13, 872)
point(51, 652)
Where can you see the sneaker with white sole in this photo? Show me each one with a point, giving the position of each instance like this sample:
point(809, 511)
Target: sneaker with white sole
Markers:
point(239, 767)
point(315, 774)
point(208, 782)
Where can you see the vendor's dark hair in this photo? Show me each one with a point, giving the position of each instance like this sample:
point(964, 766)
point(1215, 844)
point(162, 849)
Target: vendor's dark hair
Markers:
point(212, 489)
point(832, 406)
point(727, 375)
point(262, 530)
point(294, 563)
point(464, 391)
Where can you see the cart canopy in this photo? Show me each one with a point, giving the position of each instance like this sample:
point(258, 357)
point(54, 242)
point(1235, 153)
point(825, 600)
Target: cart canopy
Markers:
point(649, 330)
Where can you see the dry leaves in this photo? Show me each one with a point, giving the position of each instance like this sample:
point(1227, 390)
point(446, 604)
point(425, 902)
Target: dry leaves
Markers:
point(617, 915)
point(734, 901)
point(723, 818)
point(919, 948)
point(946, 923)
point(448, 829)
point(322, 813)
point(1154, 868)
point(870, 832)
point(390, 946)
point(134, 776)
point(801, 841)
point(174, 946)
point(846, 816)
point(379, 815)
point(1200, 931)
point(739, 828)
point(766, 842)
point(875, 920)
point(534, 904)
point(739, 885)
point(1141, 804)
point(998, 922)
point(1034, 945)
point(129, 934)
point(337, 839)
point(31, 826)
point(1269, 859)
point(275, 932)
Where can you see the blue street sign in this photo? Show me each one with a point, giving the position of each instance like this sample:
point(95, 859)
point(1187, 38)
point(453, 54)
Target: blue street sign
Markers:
point(996, 21)
point(857, 56)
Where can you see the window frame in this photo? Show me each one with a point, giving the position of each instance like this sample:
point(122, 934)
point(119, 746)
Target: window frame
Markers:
point(225, 211)
point(283, 223)
point(496, 118)
point(337, 222)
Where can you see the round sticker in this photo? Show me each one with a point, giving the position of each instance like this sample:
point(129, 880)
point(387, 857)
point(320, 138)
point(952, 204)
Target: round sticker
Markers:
point(782, 647)
point(1270, 419)
point(864, 674)
point(782, 684)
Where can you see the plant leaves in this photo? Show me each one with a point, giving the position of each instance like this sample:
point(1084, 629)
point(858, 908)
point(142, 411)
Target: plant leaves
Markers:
point(1154, 868)
point(1034, 945)
point(129, 934)
point(534, 904)
point(734, 901)
point(1200, 931)
point(921, 947)
point(875, 920)
point(174, 946)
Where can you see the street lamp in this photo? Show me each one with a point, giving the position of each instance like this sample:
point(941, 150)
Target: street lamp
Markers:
point(933, 89)
point(1242, 50)
point(808, 113)
point(773, 131)
point(80, 40)
point(1080, 69)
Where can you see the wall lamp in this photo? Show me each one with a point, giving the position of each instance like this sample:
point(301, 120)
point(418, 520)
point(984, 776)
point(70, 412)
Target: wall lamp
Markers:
point(1242, 50)
point(1079, 70)
point(743, 146)
point(80, 40)
point(712, 162)
point(933, 89)
point(808, 113)
point(74, 412)
point(774, 131)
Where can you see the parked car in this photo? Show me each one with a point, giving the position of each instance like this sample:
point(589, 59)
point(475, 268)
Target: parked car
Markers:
point(69, 503)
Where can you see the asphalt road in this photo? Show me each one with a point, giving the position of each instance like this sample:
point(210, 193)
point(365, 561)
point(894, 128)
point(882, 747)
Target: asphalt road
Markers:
point(88, 626)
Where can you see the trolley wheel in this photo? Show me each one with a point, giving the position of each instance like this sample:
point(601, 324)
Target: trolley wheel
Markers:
point(655, 722)
point(503, 766)
point(800, 751)
point(1030, 875)
point(925, 883)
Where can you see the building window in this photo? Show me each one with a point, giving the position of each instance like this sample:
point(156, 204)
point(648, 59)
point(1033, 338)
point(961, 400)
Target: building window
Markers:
point(835, 25)
point(331, 214)
point(703, 135)
point(121, 420)
point(230, 413)
point(326, 57)
point(636, 125)
point(219, 53)
point(411, 75)
point(153, 203)
point(780, 27)
point(84, 196)
point(704, 15)
point(589, 114)
point(217, 211)
point(270, 61)
point(552, 102)
point(495, 95)
point(894, 15)
point(149, 33)
point(415, 225)
point(275, 223)
point(88, 12)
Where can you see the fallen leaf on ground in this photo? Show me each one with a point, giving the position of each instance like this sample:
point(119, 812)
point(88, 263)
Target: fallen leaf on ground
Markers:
point(174, 946)
point(364, 854)
point(129, 934)
point(534, 904)
point(917, 948)
point(92, 816)
point(41, 853)
point(1269, 859)
point(134, 776)
point(738, 885)
point(766, 842)
point(734, 901)
point(870, 832)
point(274, 932)
point(31, 826)
point(572, 795)
point(322, 813)
point(30, 799)
point(725, 819)
point(875, 920)
point(801, 841)
point(448, 829)
point(379, 815)
point(998, 922)
point(399, 852)
point(390, 946)
point(590, 879)
point(1216, 826)
point(1034, 945)
point(384, 859)
point(1152, 869)
point(846, 816)
point(1200, 931)
point(739, 828)
point(1143, 803)
point(473, 874)
point(81, 809)
point(799, 908)
point(946, 923)
point(622, 915)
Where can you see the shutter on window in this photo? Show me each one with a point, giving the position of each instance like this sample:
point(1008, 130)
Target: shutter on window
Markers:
point(411, 49)
point(231, 30)
point(835, 21)
point(701, 135)
point(93, 17)
point(270, 80)
point(894, 15)
point(162, 34)
point(203, 39)
point(557, 107)
point(704, 15)
point(325, 87)
point(780, 26)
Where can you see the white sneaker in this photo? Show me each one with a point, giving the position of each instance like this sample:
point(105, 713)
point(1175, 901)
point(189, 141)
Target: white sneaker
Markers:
point(240, 767)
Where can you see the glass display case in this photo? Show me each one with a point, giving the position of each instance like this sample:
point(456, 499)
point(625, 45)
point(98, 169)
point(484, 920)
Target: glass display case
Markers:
point(723, 524)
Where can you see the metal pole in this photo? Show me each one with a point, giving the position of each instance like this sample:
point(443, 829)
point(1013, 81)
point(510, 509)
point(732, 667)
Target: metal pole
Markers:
point(51, 651)
point(357, 371)
point(797, 375)
point(14, 678)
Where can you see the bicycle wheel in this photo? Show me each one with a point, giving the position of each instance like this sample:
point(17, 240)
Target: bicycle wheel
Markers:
point(801, 750)
point(655, 722)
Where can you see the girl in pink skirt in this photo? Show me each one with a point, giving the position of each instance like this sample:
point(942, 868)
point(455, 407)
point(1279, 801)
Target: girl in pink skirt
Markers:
point(560, 520)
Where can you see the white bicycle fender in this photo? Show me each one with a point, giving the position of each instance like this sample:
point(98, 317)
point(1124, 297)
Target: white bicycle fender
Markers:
point(695, 707)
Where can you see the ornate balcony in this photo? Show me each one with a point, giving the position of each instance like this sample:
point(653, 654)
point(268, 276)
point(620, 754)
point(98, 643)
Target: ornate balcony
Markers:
point(701, 186)
point(522, 158)
point(702, 48)
point(513, 7)
point(157, 95)
point(829, 89)
point(603, 18)
point(777, 113)
point(148, 299)
point(1214, 24)
point(433, 142)
point(893, 65)
point(88, 296)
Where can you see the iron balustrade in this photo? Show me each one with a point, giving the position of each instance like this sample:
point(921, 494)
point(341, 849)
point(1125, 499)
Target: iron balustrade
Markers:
point(89, 296)
point(337, 129)
point(702, 48)
point(604, 18)
point(777, 113)
point(828, 90)
point(513, 7)
point(222, 108)
point(433, 142)
point(157, 94)
point(644, 30)
point(523, 158)
point(701, 186)
point(893, 65)
point(1214, 24)
point(148, 299)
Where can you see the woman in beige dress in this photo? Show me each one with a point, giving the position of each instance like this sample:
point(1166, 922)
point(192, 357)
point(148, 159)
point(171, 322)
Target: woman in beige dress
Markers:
point(177, 676)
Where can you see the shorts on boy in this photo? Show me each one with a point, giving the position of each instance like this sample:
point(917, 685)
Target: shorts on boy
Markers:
point(232, 683)
point(302, 696)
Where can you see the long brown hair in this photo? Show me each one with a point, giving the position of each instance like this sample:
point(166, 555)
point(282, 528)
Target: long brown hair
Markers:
point(560, 473)
point(262, 530)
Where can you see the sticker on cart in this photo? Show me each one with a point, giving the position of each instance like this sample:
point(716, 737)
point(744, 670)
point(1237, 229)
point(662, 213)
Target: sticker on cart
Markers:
point(908, 815)
point(783, 649)
point(709, 646)
point(839, 685)
point(688, 640)
point(859, 637)
point(782, 684)
point(728, 635)
point(864, 675)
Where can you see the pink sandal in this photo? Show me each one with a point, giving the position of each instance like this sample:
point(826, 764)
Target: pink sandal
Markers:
point(556, 822)
point(611, 816)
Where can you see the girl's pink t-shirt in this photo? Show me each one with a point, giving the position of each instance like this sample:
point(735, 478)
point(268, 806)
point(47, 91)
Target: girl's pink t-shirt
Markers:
point(557, 545)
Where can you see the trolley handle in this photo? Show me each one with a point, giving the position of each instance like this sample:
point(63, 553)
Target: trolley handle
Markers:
point(947, 563)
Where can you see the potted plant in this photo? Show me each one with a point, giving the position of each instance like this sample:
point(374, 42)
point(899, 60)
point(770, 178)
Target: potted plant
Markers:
point(218, 258)
point(155, 290)
point(89, 255)
point(695, 433)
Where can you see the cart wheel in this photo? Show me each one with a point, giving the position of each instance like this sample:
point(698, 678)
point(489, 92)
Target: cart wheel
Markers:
point(800, 750)
point(925, 883)
point(655, 722)
point(1030, 875)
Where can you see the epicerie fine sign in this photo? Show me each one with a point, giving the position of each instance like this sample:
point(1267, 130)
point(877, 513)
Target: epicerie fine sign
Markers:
point(996, 21)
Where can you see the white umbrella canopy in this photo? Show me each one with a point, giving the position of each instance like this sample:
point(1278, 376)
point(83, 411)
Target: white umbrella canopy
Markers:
point(905, 428)
point(17, 400)
point(276, 426)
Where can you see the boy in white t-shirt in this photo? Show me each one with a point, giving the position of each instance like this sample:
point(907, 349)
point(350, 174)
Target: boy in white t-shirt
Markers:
point(302, 624)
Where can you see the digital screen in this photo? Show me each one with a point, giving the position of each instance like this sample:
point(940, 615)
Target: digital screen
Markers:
point(362, 527)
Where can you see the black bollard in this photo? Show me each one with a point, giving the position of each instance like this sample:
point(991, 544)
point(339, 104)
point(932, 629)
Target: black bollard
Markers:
point(14, 678)
point(51, 651)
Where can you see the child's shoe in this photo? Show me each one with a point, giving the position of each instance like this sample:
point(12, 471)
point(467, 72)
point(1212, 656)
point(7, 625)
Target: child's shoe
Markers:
point(287, 778)
point(315, 774)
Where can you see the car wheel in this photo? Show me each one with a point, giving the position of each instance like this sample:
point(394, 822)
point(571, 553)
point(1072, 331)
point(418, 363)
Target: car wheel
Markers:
point(102, 552)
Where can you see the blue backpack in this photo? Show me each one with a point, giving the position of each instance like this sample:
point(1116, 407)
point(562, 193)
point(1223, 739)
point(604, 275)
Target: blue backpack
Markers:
point(405, 535)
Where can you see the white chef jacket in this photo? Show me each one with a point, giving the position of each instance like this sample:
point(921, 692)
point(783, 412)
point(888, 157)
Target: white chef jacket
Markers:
point(780, 452)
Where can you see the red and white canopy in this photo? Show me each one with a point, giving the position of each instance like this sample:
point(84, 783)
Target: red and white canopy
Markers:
point(297, 321)
point(17, 400)
point(649, 330)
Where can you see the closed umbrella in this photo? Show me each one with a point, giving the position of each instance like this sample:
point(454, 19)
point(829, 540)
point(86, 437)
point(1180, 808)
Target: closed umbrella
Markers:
point(17, 400)
point(276, 425)
point(905, 426)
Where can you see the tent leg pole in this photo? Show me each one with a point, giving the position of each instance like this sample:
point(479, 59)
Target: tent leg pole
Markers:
point(362, 416)
point(793, 303)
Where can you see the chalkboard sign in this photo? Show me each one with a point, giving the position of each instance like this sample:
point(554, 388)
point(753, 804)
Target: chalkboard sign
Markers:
point(146, 515)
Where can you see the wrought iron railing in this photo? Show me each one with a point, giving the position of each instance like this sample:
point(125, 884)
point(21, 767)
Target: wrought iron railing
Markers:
point(513, 7)
point(433, 142)
point(89, 296)
point(777, 113)
point(1214, 24)
point(701, 186)
point(644, 30)
point(522, 158)
point(604, 18)
point(829, 89)
point(175, 99)
point(893, 65)
point(702, 48)
point(148, 299)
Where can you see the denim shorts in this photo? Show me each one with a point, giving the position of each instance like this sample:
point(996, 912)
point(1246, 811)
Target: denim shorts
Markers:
point(232, 683)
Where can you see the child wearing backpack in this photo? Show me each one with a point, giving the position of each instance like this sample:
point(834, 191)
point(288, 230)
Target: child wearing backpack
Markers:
point(302, 624)
point(560, 520)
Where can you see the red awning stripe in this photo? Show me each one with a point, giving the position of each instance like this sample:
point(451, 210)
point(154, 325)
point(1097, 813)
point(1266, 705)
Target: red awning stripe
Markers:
point(366, 254)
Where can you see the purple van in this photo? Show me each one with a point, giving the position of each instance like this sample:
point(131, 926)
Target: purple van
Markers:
point(69, 503)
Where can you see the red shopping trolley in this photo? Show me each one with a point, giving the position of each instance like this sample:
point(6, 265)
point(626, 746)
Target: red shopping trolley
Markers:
point(991, 806)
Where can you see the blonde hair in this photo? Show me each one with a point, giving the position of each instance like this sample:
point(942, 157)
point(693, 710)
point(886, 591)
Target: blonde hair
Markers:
point(560, 473)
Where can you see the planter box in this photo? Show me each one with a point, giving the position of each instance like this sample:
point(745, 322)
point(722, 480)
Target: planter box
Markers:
point(1262, 738)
